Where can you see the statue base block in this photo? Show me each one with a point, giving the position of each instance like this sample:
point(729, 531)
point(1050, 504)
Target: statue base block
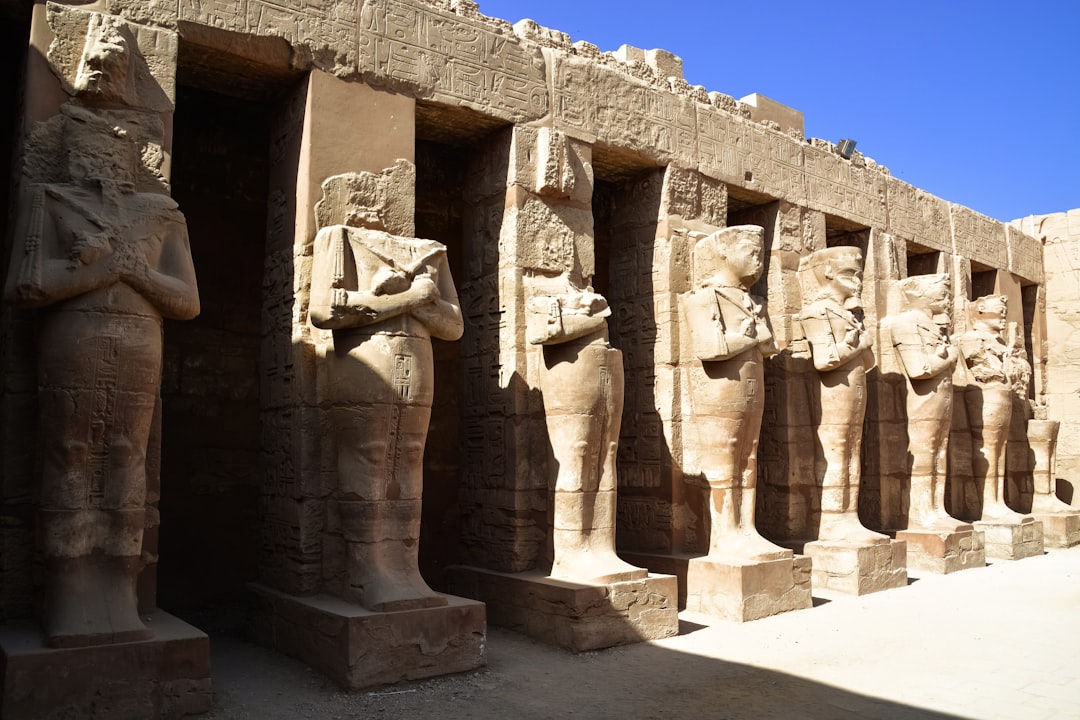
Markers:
point(1012, 540)
point(942, 551)
point(576, 616)
point(735, 590)
point(359, 648)
point(857, 569)
point(1060, 529)
point(166, 676)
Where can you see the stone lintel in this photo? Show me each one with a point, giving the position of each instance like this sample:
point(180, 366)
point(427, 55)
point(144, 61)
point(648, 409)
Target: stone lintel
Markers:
point(575, 616)
point(1012, 540)
point(359, 648)
point(855, 569)
point(1060, 529)
point(167, 676)
point(942, 552)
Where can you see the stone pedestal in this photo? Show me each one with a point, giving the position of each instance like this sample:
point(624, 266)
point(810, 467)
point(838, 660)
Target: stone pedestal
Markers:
point(1060, 529)
point(167, 676)
point(943, 551)
point(573, 615)
point(735, 590)
point(1014, 540)
point(857, 569)
point(359, 648)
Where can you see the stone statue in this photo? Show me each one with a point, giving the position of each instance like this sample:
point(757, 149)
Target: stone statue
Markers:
point(730, 335)
point(581, 379)
point(107, 263)
point(384, 296)
point(920, 337)
point(996, 368)
point(842, 354)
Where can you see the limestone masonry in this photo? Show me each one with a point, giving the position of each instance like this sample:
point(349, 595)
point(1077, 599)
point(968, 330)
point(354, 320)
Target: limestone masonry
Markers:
point(384, 320)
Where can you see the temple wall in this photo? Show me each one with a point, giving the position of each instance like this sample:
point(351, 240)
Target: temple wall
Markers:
point(570, 161)
point(1060, 308)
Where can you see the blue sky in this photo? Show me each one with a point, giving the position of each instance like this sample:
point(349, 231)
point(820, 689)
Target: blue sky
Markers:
point(976, 102)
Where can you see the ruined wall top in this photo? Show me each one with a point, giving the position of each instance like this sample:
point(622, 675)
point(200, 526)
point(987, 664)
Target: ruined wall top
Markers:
point(634, 105)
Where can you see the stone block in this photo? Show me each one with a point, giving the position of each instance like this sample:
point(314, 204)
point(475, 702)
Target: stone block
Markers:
point(1012, 540)
point(855, 569)
point(167, 676)
point(943, 552)
point(359, 648)
point(734, 590)
point(575, 616)
point(1060, 529)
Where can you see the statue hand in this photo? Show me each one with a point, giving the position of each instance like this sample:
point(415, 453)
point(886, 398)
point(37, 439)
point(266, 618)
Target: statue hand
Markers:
point(425, 286)
point(339, 297)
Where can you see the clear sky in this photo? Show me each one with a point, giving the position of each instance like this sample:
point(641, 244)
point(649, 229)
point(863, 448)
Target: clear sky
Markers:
point(976, 101)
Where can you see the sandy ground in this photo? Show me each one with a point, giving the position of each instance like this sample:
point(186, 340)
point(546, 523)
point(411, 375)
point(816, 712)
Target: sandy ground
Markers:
point(997, 642)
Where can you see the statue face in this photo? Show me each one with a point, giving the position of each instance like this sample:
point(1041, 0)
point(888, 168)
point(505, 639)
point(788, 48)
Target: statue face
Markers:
point(846, 276)
point(744, 258)
point(103, 68)
point(992, 311)
point(938, 295)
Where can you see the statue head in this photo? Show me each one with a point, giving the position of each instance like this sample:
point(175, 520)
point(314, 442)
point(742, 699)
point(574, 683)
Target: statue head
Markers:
point(105, 67)
point(837, 272)
point(730, 257)
point(932, 292)
point(989, 312)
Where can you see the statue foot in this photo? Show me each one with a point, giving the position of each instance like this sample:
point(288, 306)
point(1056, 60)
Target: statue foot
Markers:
point(746, 546)
point(939, 521)
point(402, 592)
point(92, 601)
point(845, 527)
point(1001, 513)
point(594, 567)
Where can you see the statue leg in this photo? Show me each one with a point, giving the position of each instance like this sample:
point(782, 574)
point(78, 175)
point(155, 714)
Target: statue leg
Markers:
point(731, 471)
point(380, 457)
point(996, 411)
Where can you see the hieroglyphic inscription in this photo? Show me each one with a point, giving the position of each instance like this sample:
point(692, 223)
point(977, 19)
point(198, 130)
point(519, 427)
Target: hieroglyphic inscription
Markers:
point(840, 187)
point(452, 59)
point(1025, 255)
point(624, 112)
point(748, 155)
point(978, 237)
point(329, 26)
point(918, 216)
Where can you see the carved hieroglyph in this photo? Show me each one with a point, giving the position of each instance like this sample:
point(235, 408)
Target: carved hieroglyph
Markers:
point(108, 263)
point(730, 337)
point(919, 335)
point(842, 354)
point(995, 368)
point(384, 297)
point(581, 379)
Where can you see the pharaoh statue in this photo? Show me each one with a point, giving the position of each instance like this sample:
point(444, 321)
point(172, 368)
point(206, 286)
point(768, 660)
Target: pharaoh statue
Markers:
point(106, 263)
point(581, 379)
point(996, 367)
point(384, 296)
point(920, 336)
point(842, 354)
point(730, 336)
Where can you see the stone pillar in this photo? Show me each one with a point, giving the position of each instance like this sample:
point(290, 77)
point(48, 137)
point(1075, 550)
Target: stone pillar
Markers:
point(344, 157)
point(546, 233)
point(93, 192)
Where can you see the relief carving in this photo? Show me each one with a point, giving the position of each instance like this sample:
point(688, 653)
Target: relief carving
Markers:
point(842, 353)
point(920, 336)
point(107, 263)
point(729, 337)
point(384, 297)
point(581, 379)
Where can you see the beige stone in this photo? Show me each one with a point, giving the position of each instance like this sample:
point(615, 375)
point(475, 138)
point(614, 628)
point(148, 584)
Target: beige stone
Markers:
point(579, 617)
point(1061, 523)
point(857, 569)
